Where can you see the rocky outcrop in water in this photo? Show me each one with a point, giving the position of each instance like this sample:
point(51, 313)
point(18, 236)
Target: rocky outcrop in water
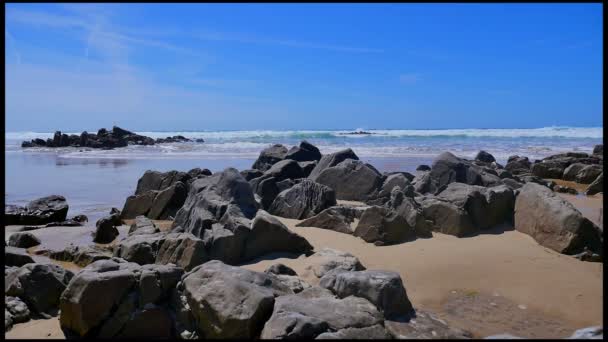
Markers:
point(37, 212)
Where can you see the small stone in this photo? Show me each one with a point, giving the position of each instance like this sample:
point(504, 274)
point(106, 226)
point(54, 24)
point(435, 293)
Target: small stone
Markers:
point(521, 306)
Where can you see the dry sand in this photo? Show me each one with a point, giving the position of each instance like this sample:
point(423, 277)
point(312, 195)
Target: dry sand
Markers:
point(499, 282)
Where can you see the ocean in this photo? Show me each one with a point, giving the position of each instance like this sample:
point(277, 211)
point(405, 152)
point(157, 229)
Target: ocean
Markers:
point(93, 181)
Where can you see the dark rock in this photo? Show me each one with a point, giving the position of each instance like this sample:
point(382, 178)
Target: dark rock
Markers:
point(423, 183)
point(517, 164)
point(37, 212)
point(251, 174)
point(154, 180)
point(268, 190)
point(571, 171)
point(485, 157)
point(269, 156)
point(307, 167)
point(548, 169)
point(597, 186)
point(200, 140)
point(448, 168)
point(305, 152)
point(555, 223)
point(284, 169)
point(14, 256)
point(230, 302)
point(424, 325)
point(23, 240)
point(423, 167)
point(338, 218)
point(351, 179)
point(143, 225)
point(330, 260)
point(280, 269)
point(380, 225)
point(384, 289)
point(80, 255)
point(80, 218)
point(38, 285)
point(167, 202)
point(447, 217)
point(598, 149)
point(330, 160)
point(303, 200)
point(182, 249)
point(106, 231)
point(137, 205)
point(140, 248)
point(588, 174)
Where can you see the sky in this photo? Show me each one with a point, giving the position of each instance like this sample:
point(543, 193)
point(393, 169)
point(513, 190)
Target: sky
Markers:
point(170, 67)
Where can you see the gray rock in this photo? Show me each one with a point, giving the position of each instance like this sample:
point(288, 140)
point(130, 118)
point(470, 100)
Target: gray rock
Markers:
point(23, 240)
point(182, 249)
point(447, 218)
point(280, 269)
point(588, 174)
point(555, 223)
point(351, 179)
point(17, 309)
point(303, 200)
point(597, 186)
point(548, 169)
point(38, 285)
point(81, 255)
point(305, 152)
point(594, 333)
point(14, 256)
point(338, 218)
point(250, 174)
point(384, 289)
point(143, 225)
point(571, 171)
point(230, 302)
point(424, 325)
point(330, 160)
point(106, 231)
point(485, 157)
point(383, 226)
point(517, 164)
point(140, 248)
point(269, 156)
point(327, 260)
point(37, 212)
point(156, 181)
point(307, 167)
point(374, 332)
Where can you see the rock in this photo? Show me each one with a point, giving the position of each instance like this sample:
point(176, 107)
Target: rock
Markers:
point(14, 256)
point(423, 183)
point(17, 309)
point(133, 304)
point(447, 218)
point(565, 189)
point(351, 179)
point(294, 283)
point(307, 167)
point(280, 269)
point(182, 249)
point(137, 205)
point(143, 225)
point(106, 231)
point(424, 325)
point(598, 149)
point(588, 174)
point(303, 200)
point(448, 168)
point(268, 190)
point(409, 209)
point(382, 226)
point(269, 235)
point(37, 212)
point(308, 316)
point(269, 156)
point(251, 174)
point(555, 223)
point(517, 164)
point(23, 240)
point(384, 289)
point(486, 207)
point(287, 183)
point(80, 218)
point(305, 152)
point(591, 332)
point(397, 179)
point(80, 255)
point(230, 302)
point(139, 248)
point(197, 172)
point(284, 169)
point(330, 160)
point(327, 260)
point(338, 218)
point(167, 202)
point(423, 167)
point(38, 285)
point(485, 157)
point(597, 186)
point(548, 169)
point(571, 171)
point(154, 180)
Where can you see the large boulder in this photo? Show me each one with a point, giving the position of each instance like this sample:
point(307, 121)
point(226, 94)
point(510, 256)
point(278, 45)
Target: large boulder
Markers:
point(554, 222)
point(597, 186)
point(330, 160)
point(351, 179)
point(305, 152)
point(23, 240)
point(143, 225)
point(338, 218)
point(484, 157)
point(327, 260)
point(487, 207)
point(588, 174)
point(156, 204)
point(269, 235)
point(81, 255)
point(37, 212)
point(382, 226)
point(182, 249)
point(155, 180)
point(312, 312)
point(571, 171)
point(307, 167)
point(105, 229)
point(269, 156)
point(38, 285)
point(548, 169)
point(230, 302)
point(250, 174)
point(281, 170)
point(139, 248)
point(14, 256)
point(448, 168)
point(382, 288)
point(517, 164)
point(303, 200)
point(447, 217)
point(598, 149)
point(114, 298)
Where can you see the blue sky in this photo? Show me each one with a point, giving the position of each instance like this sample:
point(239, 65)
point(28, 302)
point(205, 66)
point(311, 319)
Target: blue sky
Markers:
point(302, 66)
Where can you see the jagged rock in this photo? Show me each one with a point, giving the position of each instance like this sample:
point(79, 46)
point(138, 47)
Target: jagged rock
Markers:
point(548, 169)
point(309, 315)
point(338, 218)
point(447, 218)
point(307, 167)
point(305, 152)
point(268, 190)
point(303, 200)
point(423, 183)
point(555, 223)
point(38, 285)
point(485, 157)
point(327, 260)
point(251, 174)
point(230, 302)
point(382, 226)
point(17, 310)
point(517, 164)
point(330, 160)
point(106, 231)
point(597, 186)
point(37, 212)
point(384, 289)
point(588, 174)
point(448, 168)
point(23, 240)
point(396, 179)
point(351, 179)
point(182, 249)
point(269, 156)
point(278, 269)
point(140, 248)
point(143, 225)
point(154, 180)
point(14, 256)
